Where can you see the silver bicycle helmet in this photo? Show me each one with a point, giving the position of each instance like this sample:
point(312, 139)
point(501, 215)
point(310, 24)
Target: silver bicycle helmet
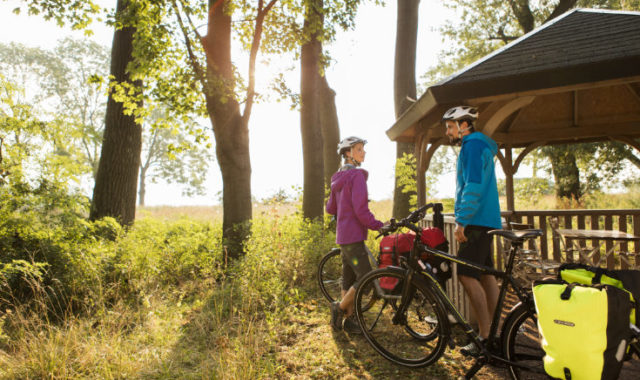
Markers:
point(461, 113)
point(348, 142)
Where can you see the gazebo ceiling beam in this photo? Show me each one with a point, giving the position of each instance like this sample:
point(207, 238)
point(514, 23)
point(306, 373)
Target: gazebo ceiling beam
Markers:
point(504, 112)
point(570, 133)
point(634, 90)
point(575, 108)
point(555, 90)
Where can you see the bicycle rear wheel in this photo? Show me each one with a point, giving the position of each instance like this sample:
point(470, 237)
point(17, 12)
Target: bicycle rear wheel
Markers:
point(330, 275)
point(522, 344)
point(419, 339)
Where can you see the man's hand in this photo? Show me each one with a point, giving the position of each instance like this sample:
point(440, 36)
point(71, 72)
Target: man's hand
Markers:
point(458, 233)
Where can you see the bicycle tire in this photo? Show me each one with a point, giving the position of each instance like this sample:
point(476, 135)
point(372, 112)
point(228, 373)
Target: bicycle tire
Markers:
point(330, 275)
point(522, 343)
point(413, 343)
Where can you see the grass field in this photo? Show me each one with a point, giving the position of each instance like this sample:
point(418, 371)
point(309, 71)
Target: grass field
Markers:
point(166, 304)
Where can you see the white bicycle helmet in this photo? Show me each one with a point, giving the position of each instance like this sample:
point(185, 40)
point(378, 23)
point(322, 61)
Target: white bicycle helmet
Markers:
point(461, 113)
point(347, 143)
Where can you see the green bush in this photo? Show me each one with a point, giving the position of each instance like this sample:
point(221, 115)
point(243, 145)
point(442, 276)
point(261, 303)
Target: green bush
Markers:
point(44, 226)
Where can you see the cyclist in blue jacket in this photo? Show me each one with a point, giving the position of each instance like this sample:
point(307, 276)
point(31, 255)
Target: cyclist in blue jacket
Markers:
point(349, 202)
point(477, 211)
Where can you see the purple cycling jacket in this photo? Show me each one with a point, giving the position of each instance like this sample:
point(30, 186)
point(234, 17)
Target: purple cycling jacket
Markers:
point(349, 202)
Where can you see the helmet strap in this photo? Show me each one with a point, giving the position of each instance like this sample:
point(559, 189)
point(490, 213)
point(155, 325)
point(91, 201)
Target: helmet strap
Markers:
point(460, 131)
point(351, 160)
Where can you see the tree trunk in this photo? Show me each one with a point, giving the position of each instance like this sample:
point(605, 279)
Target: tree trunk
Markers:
point(232, 151)
point(565, 171)
point(142, 190)
point(114, 193)
point(404, 85)
point(330, 130)
point(312, 144)
point(231, 132)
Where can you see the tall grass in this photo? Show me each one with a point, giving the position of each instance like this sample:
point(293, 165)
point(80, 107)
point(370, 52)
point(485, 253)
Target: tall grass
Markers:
point(167, 307)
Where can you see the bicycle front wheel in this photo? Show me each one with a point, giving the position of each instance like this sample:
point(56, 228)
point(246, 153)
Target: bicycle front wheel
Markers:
point(418, 338)
point(522, 344)
point(330, 275)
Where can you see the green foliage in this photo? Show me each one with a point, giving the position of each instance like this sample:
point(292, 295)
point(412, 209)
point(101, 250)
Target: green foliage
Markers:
point(527, 188)
point(406, 177)
point(58, 93)
point(79, 14)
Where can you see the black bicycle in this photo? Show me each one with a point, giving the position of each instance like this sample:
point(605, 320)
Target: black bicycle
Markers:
point(409, 324)
point(420, 303)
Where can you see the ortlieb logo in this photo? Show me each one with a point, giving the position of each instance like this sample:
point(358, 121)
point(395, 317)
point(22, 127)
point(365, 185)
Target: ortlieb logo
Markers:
point(564, 323)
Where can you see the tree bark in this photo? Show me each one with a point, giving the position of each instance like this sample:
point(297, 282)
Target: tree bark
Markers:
point(142, 190)
point(310, 126)
point(565, 171)
point(115, 189)
point(404, 85)
point(231, 131)
point(330, 130)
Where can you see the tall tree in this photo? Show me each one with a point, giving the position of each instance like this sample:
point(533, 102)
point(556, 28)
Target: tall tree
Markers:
point(219, 84)
point(115, 189)
point(404, 87)
point(310, 127)
point(330, 130)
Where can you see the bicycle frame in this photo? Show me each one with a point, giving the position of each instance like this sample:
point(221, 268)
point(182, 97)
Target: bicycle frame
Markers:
point(414, 266)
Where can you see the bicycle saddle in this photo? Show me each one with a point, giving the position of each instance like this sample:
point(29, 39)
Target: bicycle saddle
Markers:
point(516, 236)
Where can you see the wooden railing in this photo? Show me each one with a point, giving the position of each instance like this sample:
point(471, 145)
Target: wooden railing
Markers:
point(550, 245)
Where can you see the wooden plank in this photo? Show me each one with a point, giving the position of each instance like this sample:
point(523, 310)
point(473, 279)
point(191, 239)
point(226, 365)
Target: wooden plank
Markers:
point(624, 247)
point(568, 242)
point(608, 225)
point(595, 225)
point(636, 231)
point(557, 249)
point(555, 90)
point(581, 226)
point(566, 132)
point(544, 248)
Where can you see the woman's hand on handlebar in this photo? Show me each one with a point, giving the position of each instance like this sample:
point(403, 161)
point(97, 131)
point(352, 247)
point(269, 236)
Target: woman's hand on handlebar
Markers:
point(388, 228)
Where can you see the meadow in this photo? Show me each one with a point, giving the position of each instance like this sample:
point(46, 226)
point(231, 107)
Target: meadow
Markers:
point(162, 301)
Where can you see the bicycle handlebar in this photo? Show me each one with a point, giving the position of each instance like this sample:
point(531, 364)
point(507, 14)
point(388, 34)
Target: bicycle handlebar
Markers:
point(408, 221)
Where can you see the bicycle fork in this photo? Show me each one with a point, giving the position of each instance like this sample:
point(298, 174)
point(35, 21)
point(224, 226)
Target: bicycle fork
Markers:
point(400, 317)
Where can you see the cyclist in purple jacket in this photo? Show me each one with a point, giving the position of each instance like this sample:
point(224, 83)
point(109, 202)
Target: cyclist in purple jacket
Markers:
point(349, 202)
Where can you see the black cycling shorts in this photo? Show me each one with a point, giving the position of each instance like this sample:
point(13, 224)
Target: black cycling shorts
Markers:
point(476, 249)
point(355, 263)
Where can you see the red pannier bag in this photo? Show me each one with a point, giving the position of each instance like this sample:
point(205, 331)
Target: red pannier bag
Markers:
point(392, 246)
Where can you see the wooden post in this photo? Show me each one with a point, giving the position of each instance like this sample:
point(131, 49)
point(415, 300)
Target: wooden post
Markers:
point(508, 172)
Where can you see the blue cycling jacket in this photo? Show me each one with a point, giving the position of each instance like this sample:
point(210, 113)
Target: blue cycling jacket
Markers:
point(477, 200)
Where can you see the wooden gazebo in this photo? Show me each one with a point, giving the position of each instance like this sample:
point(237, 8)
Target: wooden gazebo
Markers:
point(574, 79)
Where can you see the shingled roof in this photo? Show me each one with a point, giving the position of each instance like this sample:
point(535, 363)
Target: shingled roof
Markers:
point(581, 46)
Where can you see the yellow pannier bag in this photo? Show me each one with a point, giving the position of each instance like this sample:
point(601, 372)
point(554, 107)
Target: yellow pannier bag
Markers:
point(584, 328)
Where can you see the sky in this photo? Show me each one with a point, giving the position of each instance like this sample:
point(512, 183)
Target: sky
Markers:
point(361, 74)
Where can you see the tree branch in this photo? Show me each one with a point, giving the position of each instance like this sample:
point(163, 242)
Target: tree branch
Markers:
point(523, 14)
point(255, 46)
point(192, 57)
point(563, 6)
